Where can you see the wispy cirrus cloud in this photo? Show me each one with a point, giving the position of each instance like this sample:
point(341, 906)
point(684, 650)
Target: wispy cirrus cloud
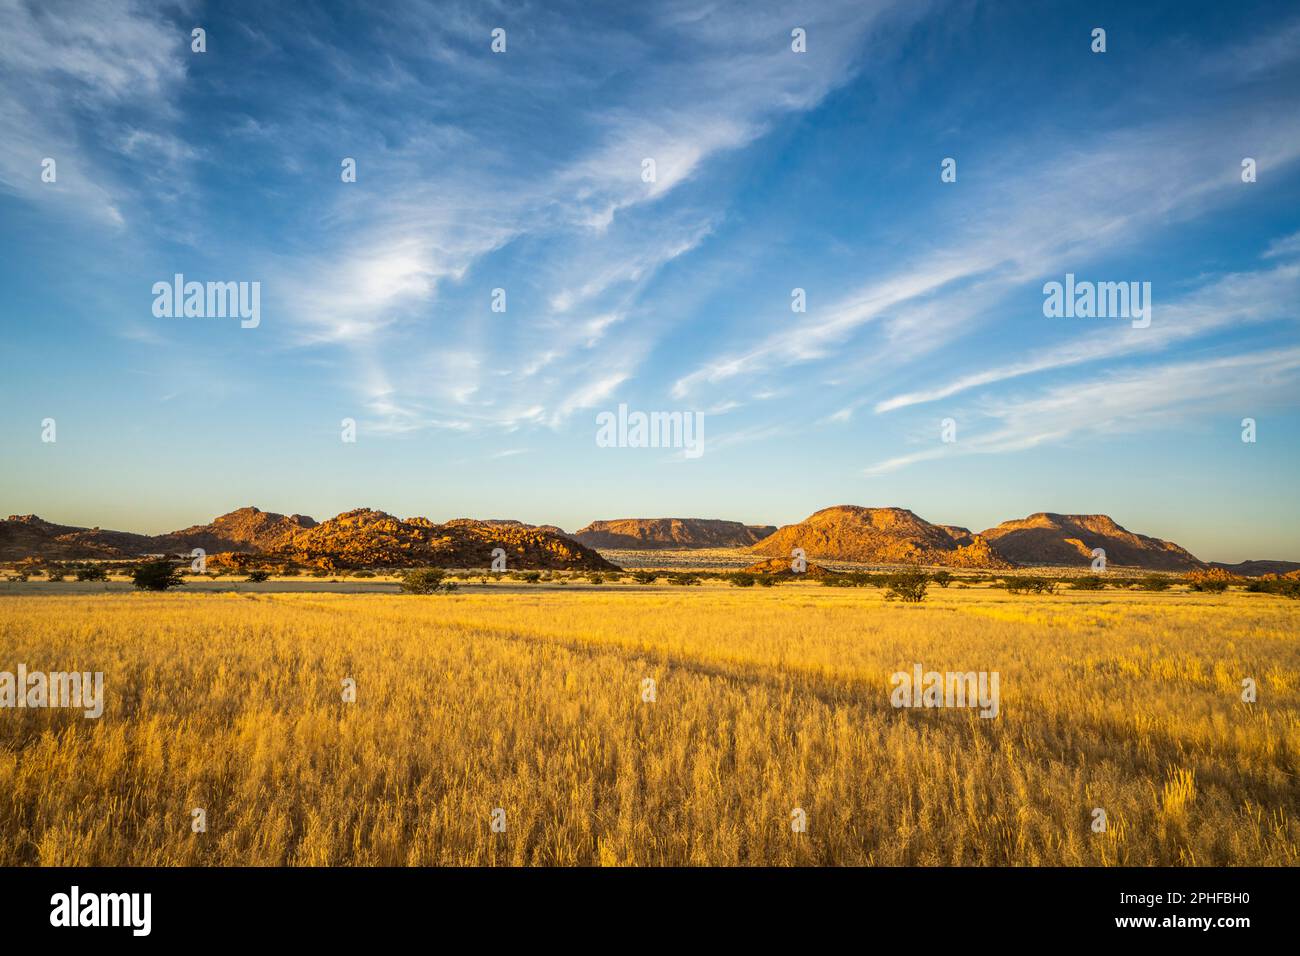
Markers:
point(1231, 301)
point(74, 77)
point(1133, 400)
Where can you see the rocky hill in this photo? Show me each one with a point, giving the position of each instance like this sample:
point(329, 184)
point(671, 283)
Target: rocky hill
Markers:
point(655, 533)
point(26, 536)
point(356, 539)
point(1068, 540)
point(880, 536)
point(247, 529)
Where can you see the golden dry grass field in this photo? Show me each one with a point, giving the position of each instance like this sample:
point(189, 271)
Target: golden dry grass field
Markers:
point(766, 701)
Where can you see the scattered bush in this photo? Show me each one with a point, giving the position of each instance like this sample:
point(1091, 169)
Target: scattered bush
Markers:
point(645, 577)
point(92, 572)
point(742, 579)
point(941, 578)
point(851, 579)
point(154, 576)
point(908, 586)
point(595, 577)
point(363, 574)
point(1029, 585)
point(1154, 582)
point(258, 576)
point(530, 577)
point(684, 579)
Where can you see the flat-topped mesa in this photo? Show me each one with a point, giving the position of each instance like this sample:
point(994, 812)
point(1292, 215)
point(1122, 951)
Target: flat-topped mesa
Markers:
point(636, 534)
point(1062, 540)
point(886, 536)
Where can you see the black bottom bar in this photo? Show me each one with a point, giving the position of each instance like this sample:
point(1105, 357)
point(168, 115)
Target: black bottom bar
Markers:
point(944, 906)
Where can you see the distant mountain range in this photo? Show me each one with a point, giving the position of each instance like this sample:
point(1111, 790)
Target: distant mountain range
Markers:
point(1253, 569)
point(846, 533)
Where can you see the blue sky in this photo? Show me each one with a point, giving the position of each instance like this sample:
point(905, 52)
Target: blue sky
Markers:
point(775, 170)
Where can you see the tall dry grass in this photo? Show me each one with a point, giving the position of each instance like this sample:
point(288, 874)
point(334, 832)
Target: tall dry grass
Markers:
point(766, 701)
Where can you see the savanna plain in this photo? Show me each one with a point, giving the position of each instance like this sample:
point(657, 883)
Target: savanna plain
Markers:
point(765, 701)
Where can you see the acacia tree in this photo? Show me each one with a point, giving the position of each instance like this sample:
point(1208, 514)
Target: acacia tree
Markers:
point(426, 581)
point(157, 576)
point(909, 586)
